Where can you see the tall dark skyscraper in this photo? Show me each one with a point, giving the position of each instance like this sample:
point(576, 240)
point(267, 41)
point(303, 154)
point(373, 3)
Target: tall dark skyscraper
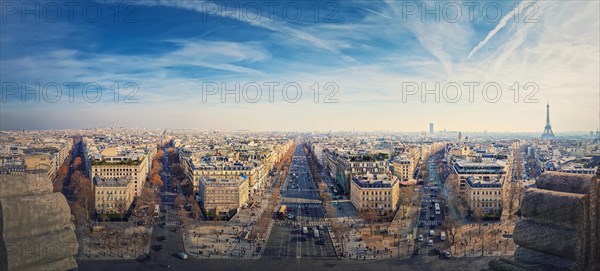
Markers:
point(548, 134)
point(431, 128)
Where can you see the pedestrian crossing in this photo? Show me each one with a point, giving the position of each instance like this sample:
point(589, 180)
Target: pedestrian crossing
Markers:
point(297, 224)
point(300, 190)
point(173, 223)
point(302, 205)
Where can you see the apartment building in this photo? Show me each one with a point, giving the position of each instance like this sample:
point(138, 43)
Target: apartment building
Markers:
point(483, 182)
point(403, 168)
point(343, 166)
point(120, 165)
point(223, 169)
point(378, 191)
point(247, 156)
point(221, 196)
point(47, 155)
point(113, 194)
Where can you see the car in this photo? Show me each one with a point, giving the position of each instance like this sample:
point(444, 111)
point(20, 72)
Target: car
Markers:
point(431, 232)
point(430, 243)
point(436, 251)
point(447, 254)
point(432, 217)
point(182, 255)
point(420, 238)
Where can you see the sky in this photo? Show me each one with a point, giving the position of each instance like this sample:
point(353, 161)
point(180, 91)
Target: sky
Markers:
point(326, 65)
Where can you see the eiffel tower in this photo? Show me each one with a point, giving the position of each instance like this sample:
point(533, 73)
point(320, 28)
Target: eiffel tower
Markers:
point(548, 134)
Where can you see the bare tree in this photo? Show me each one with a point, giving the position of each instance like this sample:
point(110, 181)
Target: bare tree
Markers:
point(512, 195)
point(478, 214)
point(452, 226)
point(195, 208)
point(405, 200)
point(84, 197)
point(185, 220)
point(180, 201)
point(103, 216)
point(331, 210)
point(121, 208)
point(369, 215)
point(341, 231)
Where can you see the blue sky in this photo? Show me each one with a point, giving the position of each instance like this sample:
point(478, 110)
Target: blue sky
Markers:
point(366, 52)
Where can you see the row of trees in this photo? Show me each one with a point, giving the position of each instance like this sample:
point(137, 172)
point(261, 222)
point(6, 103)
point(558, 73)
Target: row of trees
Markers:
point(262, 223)
point(61, 176)
point(84, 204)
point(515, 189)
point(156, 170)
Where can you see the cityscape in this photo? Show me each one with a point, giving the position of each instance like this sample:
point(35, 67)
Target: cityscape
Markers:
point(300, 135)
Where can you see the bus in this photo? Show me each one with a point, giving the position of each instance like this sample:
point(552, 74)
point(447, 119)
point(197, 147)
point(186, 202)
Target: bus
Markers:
point(437, 208)
point(282, 212)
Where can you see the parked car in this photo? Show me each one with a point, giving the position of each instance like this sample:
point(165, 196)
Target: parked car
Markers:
point(420, 238)
point(430, 242)
point(182, 255)
point(447, 255)
point(431, 232)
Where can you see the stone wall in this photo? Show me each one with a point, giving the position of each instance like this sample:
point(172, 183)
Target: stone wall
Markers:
point(36, 229)
point(558, 227)
point(588, 246)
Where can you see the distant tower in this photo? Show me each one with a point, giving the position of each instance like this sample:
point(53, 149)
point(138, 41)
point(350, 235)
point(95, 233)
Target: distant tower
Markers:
point(548, 134)
point(431, 128)
point(459, 136)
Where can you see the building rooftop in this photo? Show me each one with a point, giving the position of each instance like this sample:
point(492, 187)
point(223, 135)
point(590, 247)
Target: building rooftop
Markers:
point(374, 180)
point(112, 182)
point(225, 182)
point(484, 182)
